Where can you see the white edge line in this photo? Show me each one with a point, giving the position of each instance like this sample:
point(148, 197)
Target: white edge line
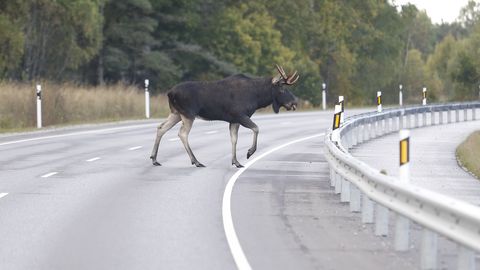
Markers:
point(135, 148)
point(232, 238)
point(48, 174)
point(92, 159)
point(3, 195)
point(74, 134)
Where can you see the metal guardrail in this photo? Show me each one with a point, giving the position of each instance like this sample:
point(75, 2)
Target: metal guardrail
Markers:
point(366, 188)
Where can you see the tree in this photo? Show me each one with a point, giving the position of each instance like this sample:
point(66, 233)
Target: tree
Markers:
point(11, 36)
point(60, 36)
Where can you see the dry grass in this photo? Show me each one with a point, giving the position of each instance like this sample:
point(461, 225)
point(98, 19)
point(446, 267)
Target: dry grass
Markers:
point(72, 104)
point(468, 153)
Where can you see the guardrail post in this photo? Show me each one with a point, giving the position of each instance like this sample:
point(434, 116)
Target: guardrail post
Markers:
point(402, 224)
point(416, 125)
point(383, 126)
point(457, 115)
point(440, 120)
point(397, 121)
point(355, 197)
point(466, 258)
point(400, 120)
point(39, 106)
point(424, 119)
point(332, 177)
point(373, 129)
point(428, 250)
point(345, 192)
point(381, 222)
point(465, 115)
point(367, 209)
point(449, 116)
point(338, 183)
point(366, 129)
point(474, 115)
point(355, 134)
point(360, 134)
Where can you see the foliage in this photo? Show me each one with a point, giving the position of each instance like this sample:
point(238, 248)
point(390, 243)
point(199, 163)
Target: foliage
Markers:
point(467, 153)
point(356, 47)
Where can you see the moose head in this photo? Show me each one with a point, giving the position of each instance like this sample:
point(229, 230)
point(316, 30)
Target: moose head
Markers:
point(281, 96)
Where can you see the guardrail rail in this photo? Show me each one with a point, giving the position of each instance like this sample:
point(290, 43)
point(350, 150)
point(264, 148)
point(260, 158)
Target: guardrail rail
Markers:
point(367, 189)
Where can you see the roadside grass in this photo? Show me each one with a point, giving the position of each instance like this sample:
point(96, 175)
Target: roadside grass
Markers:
point(468, 153)
point(67, 104)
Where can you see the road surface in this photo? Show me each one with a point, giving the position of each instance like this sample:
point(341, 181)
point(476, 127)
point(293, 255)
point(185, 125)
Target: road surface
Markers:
point(89, 198)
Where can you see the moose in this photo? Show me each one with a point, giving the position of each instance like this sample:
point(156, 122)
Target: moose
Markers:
point(233, 99)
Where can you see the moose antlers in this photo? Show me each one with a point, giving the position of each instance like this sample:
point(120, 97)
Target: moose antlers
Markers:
point(289, 80)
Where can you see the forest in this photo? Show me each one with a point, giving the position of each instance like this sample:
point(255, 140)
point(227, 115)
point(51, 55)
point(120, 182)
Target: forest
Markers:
point(357, 47)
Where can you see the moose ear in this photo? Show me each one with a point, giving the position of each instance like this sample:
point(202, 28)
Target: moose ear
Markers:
point(276, 79)
point(275, 106)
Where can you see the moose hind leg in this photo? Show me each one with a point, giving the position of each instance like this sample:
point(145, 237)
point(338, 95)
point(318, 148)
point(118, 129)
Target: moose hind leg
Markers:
point(248, 123)
point(171, 121)
point(183, 134)
point(234, 136)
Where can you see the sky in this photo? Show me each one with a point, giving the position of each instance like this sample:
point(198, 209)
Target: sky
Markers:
point(437, 10)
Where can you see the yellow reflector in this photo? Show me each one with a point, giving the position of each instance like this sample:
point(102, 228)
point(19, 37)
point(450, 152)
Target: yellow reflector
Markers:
point(404, 151)
point(336, 121)
point(379, 100)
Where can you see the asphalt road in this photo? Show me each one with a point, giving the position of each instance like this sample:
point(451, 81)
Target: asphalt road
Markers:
point(89, 198)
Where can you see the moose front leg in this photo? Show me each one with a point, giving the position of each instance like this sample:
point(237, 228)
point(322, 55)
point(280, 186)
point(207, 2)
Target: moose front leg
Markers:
point(248, 123)
point(234, 136)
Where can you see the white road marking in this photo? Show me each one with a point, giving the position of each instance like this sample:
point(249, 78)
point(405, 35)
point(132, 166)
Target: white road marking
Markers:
point(232, 238)
point(211, 132)
point(134, 148)
point(3, 195)
point(76, 133)
point(92, 159)
point(174, 139)
point(49, 174)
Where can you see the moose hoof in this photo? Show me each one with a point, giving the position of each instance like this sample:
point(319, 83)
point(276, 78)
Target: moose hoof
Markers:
point(238, 165)
point(250, 153)
point(198, 164)
point(155, 162)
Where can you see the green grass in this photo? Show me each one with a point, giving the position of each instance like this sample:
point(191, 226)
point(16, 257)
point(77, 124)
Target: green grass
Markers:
point(468, 153)
point(67, 104)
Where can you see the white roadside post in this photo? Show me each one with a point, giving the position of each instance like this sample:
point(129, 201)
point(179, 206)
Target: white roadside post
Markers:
point(39, 106)
point(324, 96)
point(400, 95)
point(337, 180)
point(336, 123)
point(379, 101)
point(341, 102)
point(424, 100)
point(147, 99)
point(402, 226)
